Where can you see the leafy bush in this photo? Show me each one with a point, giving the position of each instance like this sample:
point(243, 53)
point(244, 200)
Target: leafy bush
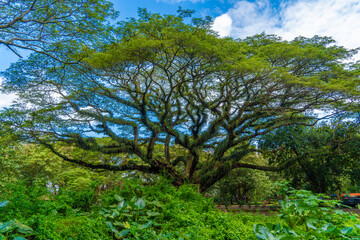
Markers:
point(82, 200)
point(69, 227)
point(13, 228)
point(309, 216)
point(64, 216)
point(161, 211)
point(24, 201)
point(131, 216)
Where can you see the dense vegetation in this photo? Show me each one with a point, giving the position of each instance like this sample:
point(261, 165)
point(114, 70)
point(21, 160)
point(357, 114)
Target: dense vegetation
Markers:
point(159, 211)
point(138, 130)
point(43, 197)
point(62, 201)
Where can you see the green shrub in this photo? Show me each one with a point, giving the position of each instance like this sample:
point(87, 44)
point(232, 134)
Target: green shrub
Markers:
point(24, 201)
point(13, 229)
point(309, 216)
point(170, 213)
point(69, 227)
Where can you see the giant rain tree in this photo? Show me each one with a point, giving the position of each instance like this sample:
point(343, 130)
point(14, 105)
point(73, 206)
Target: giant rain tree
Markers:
point(171, 97)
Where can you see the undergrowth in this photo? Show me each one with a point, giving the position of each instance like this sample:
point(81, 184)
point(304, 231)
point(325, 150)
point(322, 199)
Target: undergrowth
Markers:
point(156, 211)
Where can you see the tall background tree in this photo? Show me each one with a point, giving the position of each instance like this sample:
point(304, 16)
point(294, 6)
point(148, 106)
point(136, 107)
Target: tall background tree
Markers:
point(321, 158)
point(170, 97)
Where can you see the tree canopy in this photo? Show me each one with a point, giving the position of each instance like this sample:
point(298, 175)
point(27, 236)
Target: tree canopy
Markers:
point(45, 26)
point(169, 96)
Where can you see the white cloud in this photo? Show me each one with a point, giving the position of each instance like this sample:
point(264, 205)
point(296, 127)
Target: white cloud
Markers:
point(222, 25)
point(6, 99)
point(339, 19)
point(250, 18)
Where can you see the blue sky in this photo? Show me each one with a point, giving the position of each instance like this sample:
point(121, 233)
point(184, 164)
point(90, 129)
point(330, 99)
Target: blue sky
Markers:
point(339, 19)
point(211, 7)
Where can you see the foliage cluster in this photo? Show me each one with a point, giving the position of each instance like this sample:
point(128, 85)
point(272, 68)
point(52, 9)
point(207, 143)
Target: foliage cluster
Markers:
point(310, 216)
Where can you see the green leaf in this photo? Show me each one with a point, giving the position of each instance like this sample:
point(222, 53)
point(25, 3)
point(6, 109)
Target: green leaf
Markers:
point(122, 233)
point(140, 203)
point(146, 225)
point(112, 228)
point(22, 227)
point(328, 228)
point(263, 233)
point(122, 204)
point(118, 198)
point(3, 226)
point(3, 204)
point(310, 222)
point(115, 214)
point(346, 230)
